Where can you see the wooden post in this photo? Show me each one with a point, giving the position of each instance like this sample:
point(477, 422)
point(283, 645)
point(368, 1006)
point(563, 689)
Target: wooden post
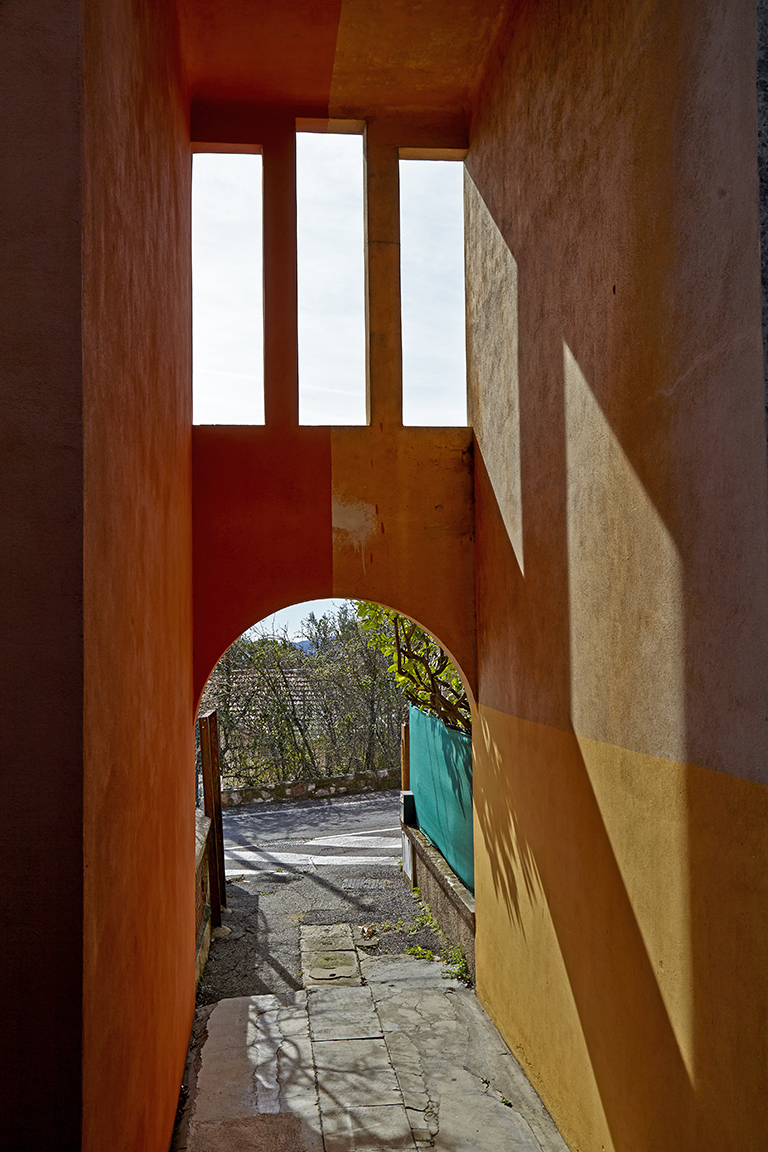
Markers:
point(405, 757)
point(209, 752)
point(216, 774)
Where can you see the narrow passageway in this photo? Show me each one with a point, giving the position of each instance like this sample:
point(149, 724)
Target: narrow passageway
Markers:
point(311, 1037)
point(307, 863)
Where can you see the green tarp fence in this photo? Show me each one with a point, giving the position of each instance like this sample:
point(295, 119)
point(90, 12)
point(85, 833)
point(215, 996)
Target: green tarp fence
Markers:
point(441, 782)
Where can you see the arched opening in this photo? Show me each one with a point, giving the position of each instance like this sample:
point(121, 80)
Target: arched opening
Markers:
point(309, 716)
point(320, 689)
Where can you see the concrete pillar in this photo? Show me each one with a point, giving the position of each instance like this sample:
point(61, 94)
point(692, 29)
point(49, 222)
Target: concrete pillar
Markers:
point(281, 329)
point(384, 369)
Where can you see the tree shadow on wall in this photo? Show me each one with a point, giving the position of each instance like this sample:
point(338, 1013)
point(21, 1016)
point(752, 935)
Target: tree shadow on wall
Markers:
point(548, 848)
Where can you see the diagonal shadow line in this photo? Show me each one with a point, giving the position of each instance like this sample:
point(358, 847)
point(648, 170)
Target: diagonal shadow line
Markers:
point(540, 811)
point(541, 821)
point(264, 954)
point(319, 880)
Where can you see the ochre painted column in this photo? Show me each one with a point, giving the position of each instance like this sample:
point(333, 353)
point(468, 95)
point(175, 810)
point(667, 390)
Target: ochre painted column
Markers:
point(384, 391)
point(281, 329)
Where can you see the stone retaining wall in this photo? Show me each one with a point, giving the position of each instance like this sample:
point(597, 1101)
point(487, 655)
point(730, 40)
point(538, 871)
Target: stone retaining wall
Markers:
point(450, 901)
point(324, 786)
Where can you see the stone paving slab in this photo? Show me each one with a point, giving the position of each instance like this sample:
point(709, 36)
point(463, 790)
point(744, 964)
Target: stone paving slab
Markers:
point(367, 1129)
point(250, 1134)
point(329, 970)
point(324, 967)
point(398, 970)
point(328, 956)
point(255, 1082)
point(342, 1014)
point(408, 1061)
point(323, 937)
point(354, 1073)
point(461, 1085)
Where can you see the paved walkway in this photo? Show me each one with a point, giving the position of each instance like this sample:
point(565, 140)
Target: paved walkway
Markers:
point(340, 879)
point(375, 1053)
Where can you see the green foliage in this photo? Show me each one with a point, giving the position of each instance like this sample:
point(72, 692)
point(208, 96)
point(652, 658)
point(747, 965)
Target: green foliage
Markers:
point(456, 966)
point(332, 706)
point(422, 953)
point(290, 713)
point(419, 665)
point(425, 919)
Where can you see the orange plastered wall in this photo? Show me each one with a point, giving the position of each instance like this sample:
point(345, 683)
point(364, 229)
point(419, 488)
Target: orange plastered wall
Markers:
point(138, 744)
point(282, 516)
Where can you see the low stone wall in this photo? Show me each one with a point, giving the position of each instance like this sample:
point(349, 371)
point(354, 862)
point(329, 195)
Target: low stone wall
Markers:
point(450, 901)
point(202, 893)
point(323, 786)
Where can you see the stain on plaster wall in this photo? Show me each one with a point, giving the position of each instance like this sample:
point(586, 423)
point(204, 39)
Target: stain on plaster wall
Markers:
point(354, 523)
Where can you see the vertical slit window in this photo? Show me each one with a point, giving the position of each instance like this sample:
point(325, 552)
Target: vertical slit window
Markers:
point(329, 187)
point(227, 319)
point(432, 292)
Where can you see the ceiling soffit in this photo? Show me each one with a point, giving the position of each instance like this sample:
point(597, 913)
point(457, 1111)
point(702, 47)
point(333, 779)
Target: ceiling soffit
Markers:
point(337, 58)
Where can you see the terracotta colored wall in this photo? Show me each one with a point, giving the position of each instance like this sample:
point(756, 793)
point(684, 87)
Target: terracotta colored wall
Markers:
point(139, 839)
point(621, 530)
point(41, 529)
point(282, 516)
point(262, 530)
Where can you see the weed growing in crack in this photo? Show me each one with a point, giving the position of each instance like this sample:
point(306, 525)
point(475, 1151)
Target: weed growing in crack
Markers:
point(422, 953)
point(452, 955)
point(456, 966)
point(425, 919)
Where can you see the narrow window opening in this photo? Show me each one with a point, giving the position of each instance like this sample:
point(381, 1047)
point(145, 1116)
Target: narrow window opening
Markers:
point(227, 317)
point(432, 292)
point(329, 187)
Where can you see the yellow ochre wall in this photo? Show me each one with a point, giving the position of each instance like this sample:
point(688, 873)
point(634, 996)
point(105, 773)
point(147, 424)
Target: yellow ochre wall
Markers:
point(616, 391)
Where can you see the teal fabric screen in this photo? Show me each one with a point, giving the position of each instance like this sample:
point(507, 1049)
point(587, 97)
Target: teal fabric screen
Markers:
point(441, 782)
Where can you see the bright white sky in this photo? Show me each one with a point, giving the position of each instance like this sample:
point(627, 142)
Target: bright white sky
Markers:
point(227, 296)
point(227, 292)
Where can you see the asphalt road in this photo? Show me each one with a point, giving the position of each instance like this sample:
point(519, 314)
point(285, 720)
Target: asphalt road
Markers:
point(346, 832)
point(308, 862)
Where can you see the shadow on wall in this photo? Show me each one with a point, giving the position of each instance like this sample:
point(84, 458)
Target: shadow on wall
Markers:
point(548, 848)
point(621, 894)
point(663, 953)
point(551, 854)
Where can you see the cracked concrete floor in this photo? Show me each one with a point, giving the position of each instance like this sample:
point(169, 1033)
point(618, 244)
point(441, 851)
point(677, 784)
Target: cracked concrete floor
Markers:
point(307, 1040)
point(260, 953)
point(404, 1059)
